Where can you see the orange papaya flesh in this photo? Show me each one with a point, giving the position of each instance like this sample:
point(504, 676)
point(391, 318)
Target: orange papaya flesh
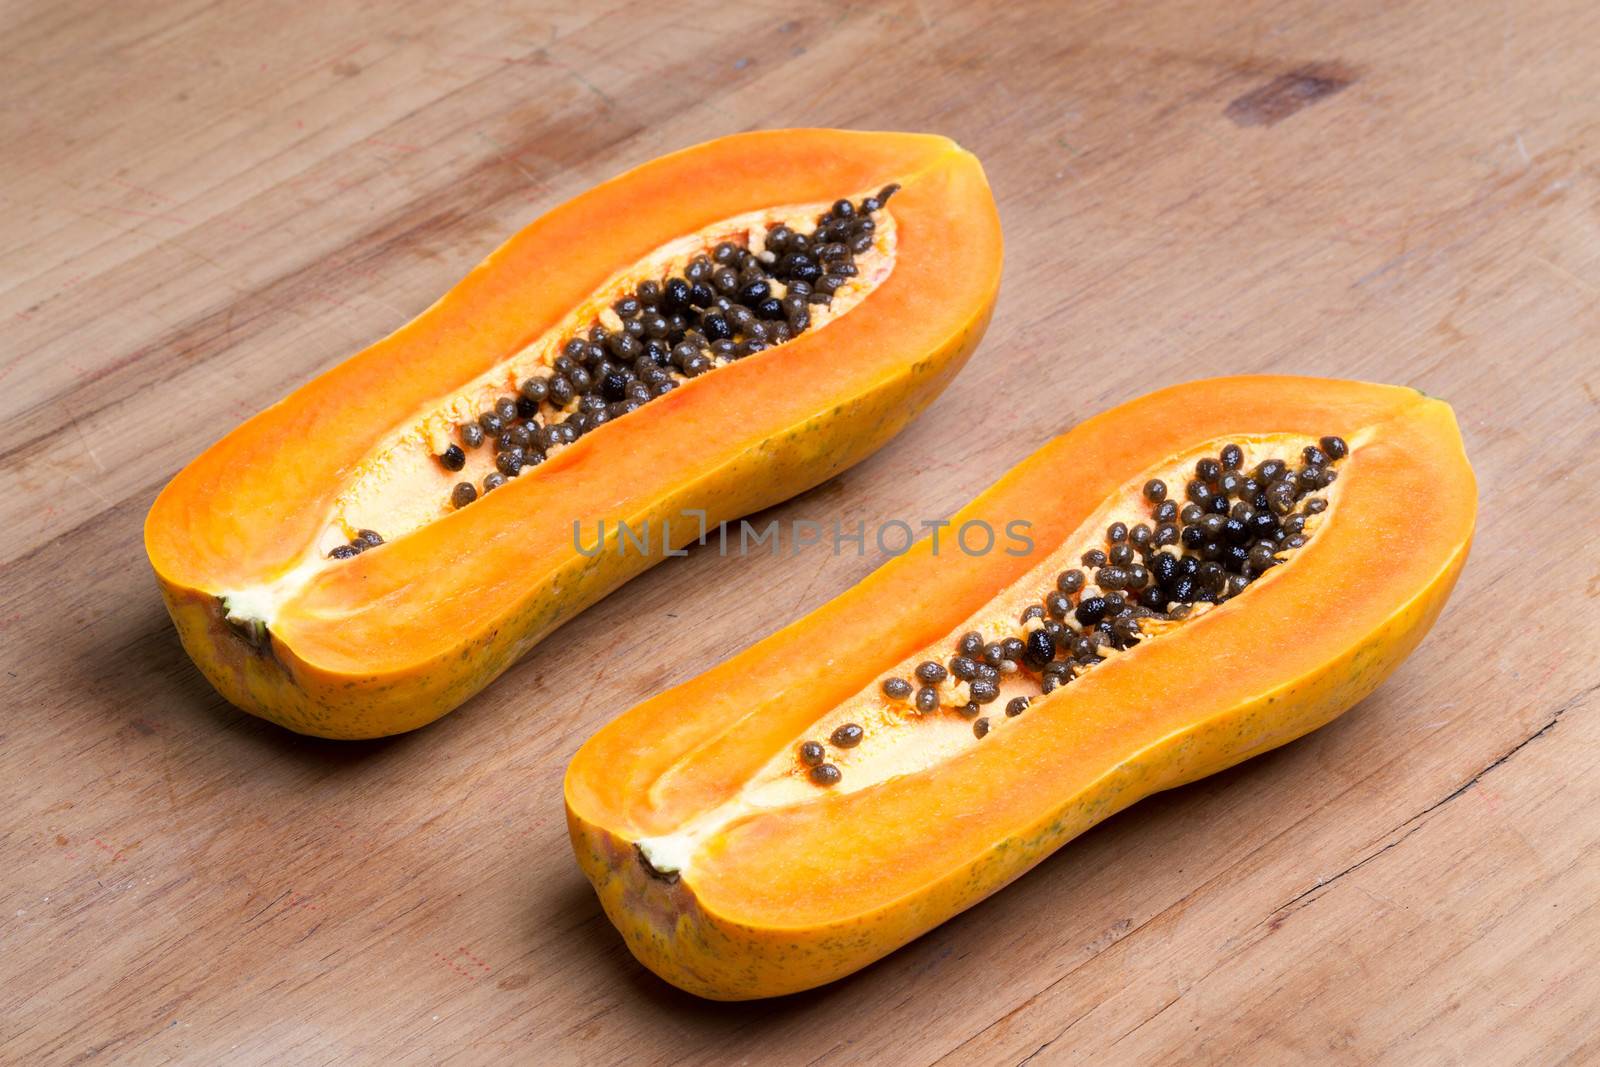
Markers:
point(733, 874)
point(246, 541)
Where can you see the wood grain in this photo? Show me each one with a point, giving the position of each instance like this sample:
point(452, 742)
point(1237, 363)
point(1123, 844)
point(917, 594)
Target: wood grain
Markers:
point(206, 203)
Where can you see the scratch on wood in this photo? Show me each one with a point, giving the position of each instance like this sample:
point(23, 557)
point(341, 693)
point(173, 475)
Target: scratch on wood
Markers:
point(1563, 272)
point(1415, 823)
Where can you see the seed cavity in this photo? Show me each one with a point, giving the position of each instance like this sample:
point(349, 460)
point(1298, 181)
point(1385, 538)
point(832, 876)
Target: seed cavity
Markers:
point(737, 298)
point(694, 304)
point(1147, 574)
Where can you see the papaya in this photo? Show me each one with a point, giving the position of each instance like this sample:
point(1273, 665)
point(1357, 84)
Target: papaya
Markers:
point(1210, 571)
point(701, 337)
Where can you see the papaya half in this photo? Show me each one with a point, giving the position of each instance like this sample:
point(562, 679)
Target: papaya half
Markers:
point(700, 338)
point(1211, 571)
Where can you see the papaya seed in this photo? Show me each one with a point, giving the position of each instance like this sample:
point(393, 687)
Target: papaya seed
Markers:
point(847, 735)
point(825, 774)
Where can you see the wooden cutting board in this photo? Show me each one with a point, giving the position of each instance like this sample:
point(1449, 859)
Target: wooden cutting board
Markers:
point(207, 203)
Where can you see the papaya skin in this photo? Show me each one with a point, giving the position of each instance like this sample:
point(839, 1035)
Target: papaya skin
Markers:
point(398, 636)
point(705, 931)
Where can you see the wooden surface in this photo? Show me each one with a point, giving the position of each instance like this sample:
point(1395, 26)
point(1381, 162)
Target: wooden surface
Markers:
point(206, 203)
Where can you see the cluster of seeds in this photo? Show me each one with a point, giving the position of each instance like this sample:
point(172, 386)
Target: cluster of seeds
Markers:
point(813, 755)
point(363, 540)
point(722, 307)
point(1231, 528)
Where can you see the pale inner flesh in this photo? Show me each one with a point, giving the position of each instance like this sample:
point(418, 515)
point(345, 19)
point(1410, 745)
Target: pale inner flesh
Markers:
point(899, 740)
point(401, 487)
